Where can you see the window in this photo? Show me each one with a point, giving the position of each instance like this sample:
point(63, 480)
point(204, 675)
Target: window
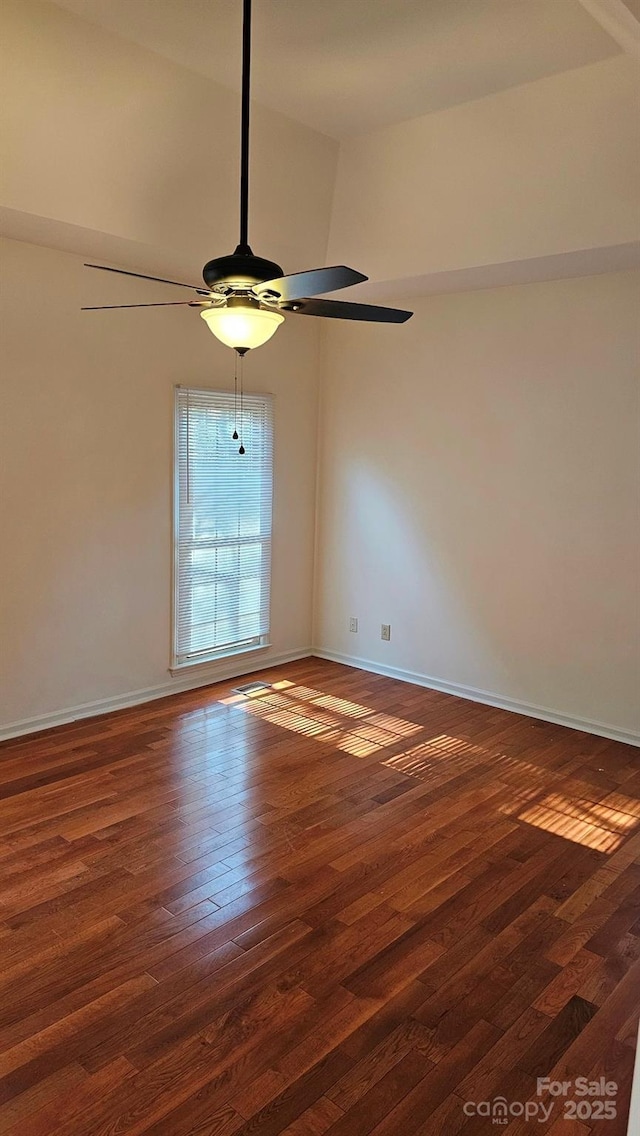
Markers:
point(222, 525)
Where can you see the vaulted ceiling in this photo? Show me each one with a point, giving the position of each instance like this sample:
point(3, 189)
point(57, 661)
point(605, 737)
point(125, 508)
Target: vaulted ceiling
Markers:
point(349, 66)
point(480, 141)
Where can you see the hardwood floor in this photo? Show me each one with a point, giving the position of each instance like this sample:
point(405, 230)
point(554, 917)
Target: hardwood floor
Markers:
point(347, 905)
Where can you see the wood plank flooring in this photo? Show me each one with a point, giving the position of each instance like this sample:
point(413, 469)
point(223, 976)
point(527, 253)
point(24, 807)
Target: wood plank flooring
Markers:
point(347, 906)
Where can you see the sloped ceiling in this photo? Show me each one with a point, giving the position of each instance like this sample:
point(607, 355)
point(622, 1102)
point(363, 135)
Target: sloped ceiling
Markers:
point(481, 141)
point(349, 67)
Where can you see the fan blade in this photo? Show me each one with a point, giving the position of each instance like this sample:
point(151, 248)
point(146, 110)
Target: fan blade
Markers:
point(336, 309)
point(169, 304)
point(158, 279)
point(312, 283)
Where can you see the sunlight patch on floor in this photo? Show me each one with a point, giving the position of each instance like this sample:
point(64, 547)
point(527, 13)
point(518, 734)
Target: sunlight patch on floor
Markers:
point(446, 756)
point(583, 822)
point(352, 728)
point(361, 732)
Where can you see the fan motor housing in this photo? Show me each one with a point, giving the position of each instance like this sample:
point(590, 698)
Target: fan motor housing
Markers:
point(240, 270)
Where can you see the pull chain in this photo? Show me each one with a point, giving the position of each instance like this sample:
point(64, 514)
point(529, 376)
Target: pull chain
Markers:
point(235, 399)
point(241, 449)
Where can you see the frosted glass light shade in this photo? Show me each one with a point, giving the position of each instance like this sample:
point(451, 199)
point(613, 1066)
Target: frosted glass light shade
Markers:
point(242, 326)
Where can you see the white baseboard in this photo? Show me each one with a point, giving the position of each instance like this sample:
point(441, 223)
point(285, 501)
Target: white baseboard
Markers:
point(202, 676)
point(487, 697)
point(218, 672)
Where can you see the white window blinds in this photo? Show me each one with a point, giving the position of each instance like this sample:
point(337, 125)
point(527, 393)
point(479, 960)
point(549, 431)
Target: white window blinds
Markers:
point(222, 524)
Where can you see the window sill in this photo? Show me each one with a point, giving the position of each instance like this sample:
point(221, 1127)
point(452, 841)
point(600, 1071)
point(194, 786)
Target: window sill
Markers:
point(213, 661)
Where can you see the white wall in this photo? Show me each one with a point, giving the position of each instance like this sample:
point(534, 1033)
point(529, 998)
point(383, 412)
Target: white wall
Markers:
point(86, 440)
point(479, 491)
point(547, 168)
point(115, 153)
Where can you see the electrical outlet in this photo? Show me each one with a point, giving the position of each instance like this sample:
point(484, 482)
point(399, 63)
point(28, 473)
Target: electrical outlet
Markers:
point(353, 623)
point(385, 631)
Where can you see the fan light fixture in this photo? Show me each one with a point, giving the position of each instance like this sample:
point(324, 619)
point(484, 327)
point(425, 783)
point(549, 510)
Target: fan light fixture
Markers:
point(241, 324)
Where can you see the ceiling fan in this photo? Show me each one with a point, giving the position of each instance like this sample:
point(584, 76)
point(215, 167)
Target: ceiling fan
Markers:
point(245, 295)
